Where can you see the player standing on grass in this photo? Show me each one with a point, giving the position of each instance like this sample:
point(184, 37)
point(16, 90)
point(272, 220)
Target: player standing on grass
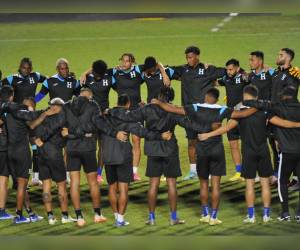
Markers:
point(255, 151)
point(210, 154)
point(81, 132)
point(117, 157)
point(195, 79)
point(25, 84)
point(162, 156)
point(100, 83)
point(234, 81)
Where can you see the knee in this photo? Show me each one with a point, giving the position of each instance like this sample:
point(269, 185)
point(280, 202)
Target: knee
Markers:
point(47, 197)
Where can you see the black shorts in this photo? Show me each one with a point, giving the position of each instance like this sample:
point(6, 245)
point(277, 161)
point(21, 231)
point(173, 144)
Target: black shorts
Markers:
point(87, 159)
point(233, 134)
point(256, 162)
point(167, 166)
point(4, 170)
point(119, 173)
point(19, 160)
point(191, 134)
point(211, 160)
point(52, 166)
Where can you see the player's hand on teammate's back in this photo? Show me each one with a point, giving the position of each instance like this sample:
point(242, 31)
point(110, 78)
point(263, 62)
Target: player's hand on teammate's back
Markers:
point(64, 132)
point(155, 101)
point(122, 136)
point(51, 111)
point(166, 136)
point(38, 142)
point(203, 137)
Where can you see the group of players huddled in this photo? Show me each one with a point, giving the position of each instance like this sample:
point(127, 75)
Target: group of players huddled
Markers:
point(80, 129)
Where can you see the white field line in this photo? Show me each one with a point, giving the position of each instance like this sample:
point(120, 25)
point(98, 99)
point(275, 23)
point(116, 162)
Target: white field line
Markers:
point(104, 38)
point(225, 20)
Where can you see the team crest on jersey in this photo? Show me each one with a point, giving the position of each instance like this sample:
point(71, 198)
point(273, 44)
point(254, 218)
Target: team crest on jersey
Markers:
point(263, 76)
point(238, 80)
point(132, 74)
point(105, 82)
point(283, 77)
point(201, 72)
point(69, 85)
point(31, 80)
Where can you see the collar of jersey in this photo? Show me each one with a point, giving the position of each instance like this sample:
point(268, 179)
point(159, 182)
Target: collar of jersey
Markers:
point(59, 77)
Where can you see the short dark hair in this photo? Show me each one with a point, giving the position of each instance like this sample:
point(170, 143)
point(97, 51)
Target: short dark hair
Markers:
point(26, 60)
point(99, 67)
point(86, 89)
point(251, 90)
point(213, 92)
point(233, 61)
point(167, 93)
point(123, 100)
point(192, 49)
point(6, 92)
point(130, 55)
point(258, 54)
point(150, 62)
point(290, 52)
point(31, 99)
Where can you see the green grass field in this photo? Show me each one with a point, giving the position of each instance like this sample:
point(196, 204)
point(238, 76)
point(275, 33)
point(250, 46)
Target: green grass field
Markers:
point(83, 42)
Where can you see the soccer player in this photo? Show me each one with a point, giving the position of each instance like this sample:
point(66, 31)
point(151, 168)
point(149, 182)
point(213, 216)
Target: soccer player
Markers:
point(62, 85)
point(50, 143)
point(195, 79)
point(100, 83)
point(19, 157)
point(234, 81)
point(210, 154)
point(117, 157)
point(288, 139)
point(156, 76)
point(255, 152)
point(128, 80)
point(81, 150)
point(25, 82)
point(163, 156)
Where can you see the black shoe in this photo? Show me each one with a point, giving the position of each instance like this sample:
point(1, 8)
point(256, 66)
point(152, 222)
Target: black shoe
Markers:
point(284, 217)
point(297, 218)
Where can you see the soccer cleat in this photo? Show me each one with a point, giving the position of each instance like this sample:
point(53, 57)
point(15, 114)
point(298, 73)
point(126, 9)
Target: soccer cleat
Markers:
point(176, 222)
point(99, 218)
point(190, 176)
point(51, 220)
point(36, 182)
point(266, 219)
point(100, 179)
point(297, 218)
point(284, 218)
point(80, 222)
point(35, 218)
point(214, 222)
point(21, 220)
point(6, 216)
point(136, 177)
point(69, 219)
point(204, 219)
point(249, 220)
point(236, 177)
point(121, 223)
point(150, 222)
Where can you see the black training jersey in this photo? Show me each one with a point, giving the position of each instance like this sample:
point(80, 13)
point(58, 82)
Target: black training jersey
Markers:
point(195, 81)
point(155, 82)
point(208, 114)
point(3, 135)
point(128, 82)
point(234, 88)
point(100, 89)
point(24, 86)
point(253, 130)
point(281, 79)
point(263, 82)
point(64, 88)
point(288, 138)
